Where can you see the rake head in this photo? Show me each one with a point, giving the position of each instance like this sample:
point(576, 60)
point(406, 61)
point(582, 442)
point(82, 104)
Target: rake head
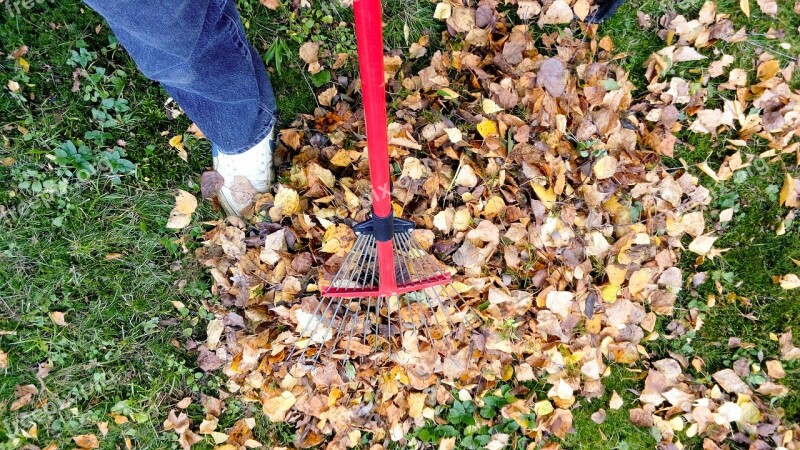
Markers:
point(372, 301)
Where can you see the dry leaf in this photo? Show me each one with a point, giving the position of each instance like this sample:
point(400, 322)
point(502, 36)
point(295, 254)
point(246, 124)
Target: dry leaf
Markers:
point(790, 281)
point(210, 183)
point(58, 318)
point(181, 214)
point(271, 4)
point(176, 142)
point(86, 441)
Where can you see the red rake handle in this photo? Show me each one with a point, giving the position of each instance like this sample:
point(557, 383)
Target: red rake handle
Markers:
point(369, 36)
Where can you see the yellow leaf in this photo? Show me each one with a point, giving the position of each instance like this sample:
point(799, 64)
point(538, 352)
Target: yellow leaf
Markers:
point(609, 293)
point(23, 63)
point(707, 170)
point(543, 408)
point(344, 158)
point(487, 128)
point(219, 438)
point(176, 142)
point(277, 407)
point(287, 202)
point(490, 107)
point(416, 403)
point(702, 244)
point(768, 69)
point(443, 11)
point(546, 195)
point(616, 274)
point(605, 167)
point(639, 280)
point(494, 207)
point(786, 191)
point(745, 5)
point(181, 214)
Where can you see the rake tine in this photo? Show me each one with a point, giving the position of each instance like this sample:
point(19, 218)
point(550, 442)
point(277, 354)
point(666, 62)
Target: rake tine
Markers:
point(404, 255)
point(311, 334)
point(366, 323)
point(370, 263)
point(437, 270)
point(377, 322)
point(367, 319)
point(431, 272)
point(419, 267)
point(353, 321)
point(360, 244)
point(342, 324)
point(357, 267)
point(362, 273)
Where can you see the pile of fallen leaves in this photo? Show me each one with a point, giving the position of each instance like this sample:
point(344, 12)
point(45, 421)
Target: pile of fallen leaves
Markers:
point(534, 173)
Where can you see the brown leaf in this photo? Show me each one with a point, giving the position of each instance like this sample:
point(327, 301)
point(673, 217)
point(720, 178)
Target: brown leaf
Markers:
point(599, 416)
point(552, 77)
point(730, 382)
point(86, 441)
point(640, 417)
point(58, 318)
point(208, 360)
point(768, 7)
point(23, 395)
point(558, 12)
point(210, 183)
point(775, 369)
point(271, 4)
point(309, 52)
point(181, 215)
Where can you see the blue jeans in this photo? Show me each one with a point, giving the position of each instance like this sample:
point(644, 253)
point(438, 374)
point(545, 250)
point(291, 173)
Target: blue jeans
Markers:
point(198, 51)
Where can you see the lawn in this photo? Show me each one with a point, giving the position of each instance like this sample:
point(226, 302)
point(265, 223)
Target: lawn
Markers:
point(87, 182)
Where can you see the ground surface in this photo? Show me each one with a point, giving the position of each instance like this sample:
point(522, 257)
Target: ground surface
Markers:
point(95, 246)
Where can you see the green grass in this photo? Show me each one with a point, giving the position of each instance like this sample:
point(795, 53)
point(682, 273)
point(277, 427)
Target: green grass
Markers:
point(617, 432)
point(118, 352)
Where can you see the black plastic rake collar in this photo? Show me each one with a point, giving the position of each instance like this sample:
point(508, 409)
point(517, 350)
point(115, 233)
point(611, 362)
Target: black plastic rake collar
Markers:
point(383, 229)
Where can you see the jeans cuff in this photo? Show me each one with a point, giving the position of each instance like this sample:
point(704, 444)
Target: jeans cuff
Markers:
point(265, 131)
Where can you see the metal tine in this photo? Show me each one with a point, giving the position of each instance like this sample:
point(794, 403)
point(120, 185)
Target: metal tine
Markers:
point(346, 265)
point(417, 265)
point(428, 261)
point(433, 270)
point(426, 272)
point(354, 316)
point(404, 254)
point(360, 245)
point(378, 302)
point(372, 262)
point(358, 269)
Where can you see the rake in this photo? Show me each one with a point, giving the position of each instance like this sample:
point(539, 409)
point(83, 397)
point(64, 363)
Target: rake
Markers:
point(387, 285)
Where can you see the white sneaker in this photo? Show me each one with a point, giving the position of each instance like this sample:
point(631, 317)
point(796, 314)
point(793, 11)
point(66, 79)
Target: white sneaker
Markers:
point(246, 175)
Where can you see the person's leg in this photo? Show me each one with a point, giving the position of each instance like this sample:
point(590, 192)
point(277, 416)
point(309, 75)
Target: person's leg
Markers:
point(198, 51)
